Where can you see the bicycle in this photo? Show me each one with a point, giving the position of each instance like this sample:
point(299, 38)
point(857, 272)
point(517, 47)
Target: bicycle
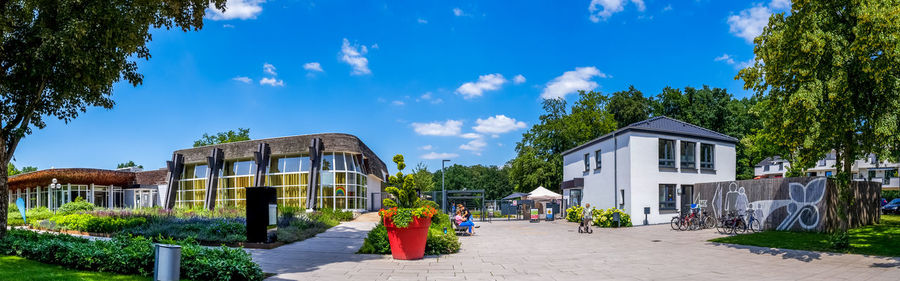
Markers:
point(752, 223)
point(676, 221)
point(738, 226)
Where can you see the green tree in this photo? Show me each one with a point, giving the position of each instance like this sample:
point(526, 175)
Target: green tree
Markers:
point(402, 188)
point(538, 159)
point(828, 78)
point(223, 137)
point(12, 170)
point(422, 178)
point(492, 179)
point(629, 106)
point(717, 110)
point(128, 165)
point(57, 58)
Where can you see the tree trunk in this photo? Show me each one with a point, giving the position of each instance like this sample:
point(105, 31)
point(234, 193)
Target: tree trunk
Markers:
point(4, 189)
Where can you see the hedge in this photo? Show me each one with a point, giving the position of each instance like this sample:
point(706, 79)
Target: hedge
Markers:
point(129, 255)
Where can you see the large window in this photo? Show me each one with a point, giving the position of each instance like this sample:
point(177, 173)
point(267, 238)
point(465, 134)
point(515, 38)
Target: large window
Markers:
point(667, 197)
point(597, 160)
point(688, 155)
point(587, 162)
point(666, 153)
point(707, 156)
point(192, 186)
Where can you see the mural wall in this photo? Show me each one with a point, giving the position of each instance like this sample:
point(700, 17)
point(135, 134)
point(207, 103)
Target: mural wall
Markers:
point(799, 204)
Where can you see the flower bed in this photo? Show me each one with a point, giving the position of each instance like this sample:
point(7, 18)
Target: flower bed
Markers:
point(129, 255)
point(604, 218)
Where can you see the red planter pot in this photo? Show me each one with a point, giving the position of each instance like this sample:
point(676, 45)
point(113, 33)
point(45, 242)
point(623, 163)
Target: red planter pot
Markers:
point(408, 243)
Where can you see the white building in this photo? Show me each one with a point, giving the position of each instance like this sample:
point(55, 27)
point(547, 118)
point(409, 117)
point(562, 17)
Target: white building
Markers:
point(649, 164)
point(870, 168)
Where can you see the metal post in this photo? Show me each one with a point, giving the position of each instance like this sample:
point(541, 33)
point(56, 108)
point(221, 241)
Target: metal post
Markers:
point(443, 190)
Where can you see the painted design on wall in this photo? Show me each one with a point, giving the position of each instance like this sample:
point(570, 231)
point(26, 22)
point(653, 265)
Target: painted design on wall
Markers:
point(339, 191)
point(802, 207)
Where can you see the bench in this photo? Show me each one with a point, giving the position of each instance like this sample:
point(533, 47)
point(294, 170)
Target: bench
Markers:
point(460, 230)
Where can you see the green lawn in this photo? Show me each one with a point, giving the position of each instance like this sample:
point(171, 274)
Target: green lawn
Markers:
point(16, 268)
point(881, 240)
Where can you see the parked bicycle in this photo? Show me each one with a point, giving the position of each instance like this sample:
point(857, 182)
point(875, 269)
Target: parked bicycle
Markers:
point(752, 223)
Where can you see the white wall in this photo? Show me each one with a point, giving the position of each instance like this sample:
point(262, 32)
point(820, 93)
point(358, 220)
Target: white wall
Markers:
point(373, 185)
point(647, 175)
point(598, 183)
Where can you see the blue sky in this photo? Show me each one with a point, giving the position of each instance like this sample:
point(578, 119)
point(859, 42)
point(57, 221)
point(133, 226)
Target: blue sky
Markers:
point(459, 79)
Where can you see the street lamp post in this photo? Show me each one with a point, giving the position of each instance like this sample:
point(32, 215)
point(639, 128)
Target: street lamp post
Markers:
point(54, 185)
point(443, 190)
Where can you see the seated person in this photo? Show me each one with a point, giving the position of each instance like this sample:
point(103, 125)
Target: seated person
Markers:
point(467, 220)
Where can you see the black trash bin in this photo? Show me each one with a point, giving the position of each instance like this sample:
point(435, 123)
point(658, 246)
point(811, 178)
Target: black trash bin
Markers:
point(261, 212)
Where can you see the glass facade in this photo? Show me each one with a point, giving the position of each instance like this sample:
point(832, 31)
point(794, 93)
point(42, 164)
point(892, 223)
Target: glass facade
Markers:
point(342, 181)
point(101, 196)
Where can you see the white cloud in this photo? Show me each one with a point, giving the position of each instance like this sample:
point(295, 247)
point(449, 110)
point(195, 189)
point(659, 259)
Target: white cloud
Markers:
point(398, 102)
point(313, 67)
point(667, 8)
point(269, 68)
point(519, 79)
point(353, 55)
point(228, 25)
point(726, 58)
point(426, 96)
point(749, 23)
point(603, 9)
point(470, 136)
point(236, 9)
point(422, 21)
point(475, 146)
point(497, 125)
point(487, 82)
point(374, 46)
point(572, 81)
point(458, 12)
point(426, 147)
point(271, 82)
point(780, 4)
point(448, 128)
point(243, 79)
point(435, 156)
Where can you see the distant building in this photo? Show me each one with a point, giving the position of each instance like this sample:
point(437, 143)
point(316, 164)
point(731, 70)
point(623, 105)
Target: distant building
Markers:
point(103, 188)
point(870, 168)
point(649, 164)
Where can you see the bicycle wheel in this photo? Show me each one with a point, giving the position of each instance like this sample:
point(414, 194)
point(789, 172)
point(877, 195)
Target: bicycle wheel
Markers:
point(675, 222)
point(709, 222)
point(683, 224)
point(755, 226)
point(739, 227)
point(694, 223)
point(720, 226)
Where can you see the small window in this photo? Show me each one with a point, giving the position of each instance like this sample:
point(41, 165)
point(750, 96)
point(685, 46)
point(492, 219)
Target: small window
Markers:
point(780, 166)
point(766, 168)
point(597, 159)
point(667, 197)
point(707, 156)
point(666, 153)
point(688, 155)
point(587, 162)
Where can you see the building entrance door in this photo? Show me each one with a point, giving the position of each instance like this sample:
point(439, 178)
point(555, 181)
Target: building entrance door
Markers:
point(686, 198)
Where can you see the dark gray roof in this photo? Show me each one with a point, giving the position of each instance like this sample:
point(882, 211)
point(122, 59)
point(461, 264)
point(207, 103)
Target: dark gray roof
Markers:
point(664, 125)
point(770, 161)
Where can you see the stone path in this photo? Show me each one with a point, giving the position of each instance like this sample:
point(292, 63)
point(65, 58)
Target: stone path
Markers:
point(336, 244)
point(520, 250)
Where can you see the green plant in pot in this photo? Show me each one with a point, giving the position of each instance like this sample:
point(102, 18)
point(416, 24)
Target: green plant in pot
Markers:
point(406, 217)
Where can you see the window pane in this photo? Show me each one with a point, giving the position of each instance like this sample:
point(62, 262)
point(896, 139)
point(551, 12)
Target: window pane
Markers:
point(304, 164)
point(290, 165)
point(339, 161)
point(327, 162)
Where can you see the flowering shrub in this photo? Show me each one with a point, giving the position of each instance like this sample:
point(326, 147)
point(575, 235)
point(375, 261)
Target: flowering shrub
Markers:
point(574, 213)
point(604, 218)
point(401, 217)
point(79, 205)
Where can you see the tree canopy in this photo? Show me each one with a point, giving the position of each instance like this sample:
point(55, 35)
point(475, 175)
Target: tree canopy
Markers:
point(12, 170)
point(827, 76)
point(58, 58)
point(223, 137)
point(128, 164)
point(492, 179)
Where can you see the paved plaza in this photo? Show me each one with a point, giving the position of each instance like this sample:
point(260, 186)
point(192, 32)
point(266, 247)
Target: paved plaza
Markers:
point(519, 250)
